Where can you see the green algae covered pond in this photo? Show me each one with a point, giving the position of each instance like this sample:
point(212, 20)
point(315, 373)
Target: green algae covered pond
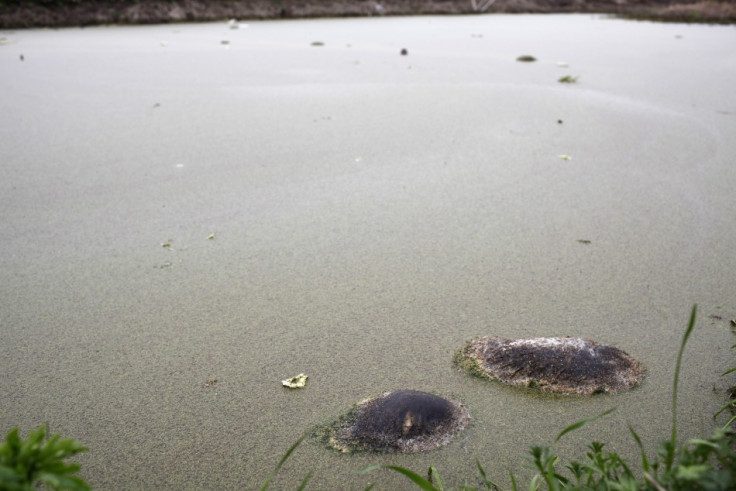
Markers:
point(192, 214)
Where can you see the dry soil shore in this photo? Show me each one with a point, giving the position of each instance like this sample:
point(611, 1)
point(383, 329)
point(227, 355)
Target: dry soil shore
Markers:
point(87, 12)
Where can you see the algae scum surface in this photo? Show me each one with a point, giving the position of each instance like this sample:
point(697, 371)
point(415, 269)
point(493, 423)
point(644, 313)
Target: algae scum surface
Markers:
point(355, 215)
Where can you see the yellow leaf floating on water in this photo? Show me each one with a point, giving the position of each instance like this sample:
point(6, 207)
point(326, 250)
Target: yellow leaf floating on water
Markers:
point(565, 157)
point(295, 382)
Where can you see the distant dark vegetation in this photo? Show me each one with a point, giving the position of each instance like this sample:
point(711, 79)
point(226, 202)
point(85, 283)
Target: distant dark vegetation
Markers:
point(56, 13)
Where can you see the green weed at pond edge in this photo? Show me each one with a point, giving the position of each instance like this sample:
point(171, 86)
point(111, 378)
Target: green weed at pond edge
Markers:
point(698, 464)
point(26, 464)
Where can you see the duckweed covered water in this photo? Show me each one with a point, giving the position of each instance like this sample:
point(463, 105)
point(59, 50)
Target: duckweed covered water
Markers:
point(373, 213)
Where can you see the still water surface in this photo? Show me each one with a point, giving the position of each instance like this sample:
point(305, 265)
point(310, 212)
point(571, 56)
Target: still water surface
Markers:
point(371, 212)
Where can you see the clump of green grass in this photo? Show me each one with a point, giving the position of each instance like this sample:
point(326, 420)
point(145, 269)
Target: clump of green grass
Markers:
point(38, 460)
point(697, 464)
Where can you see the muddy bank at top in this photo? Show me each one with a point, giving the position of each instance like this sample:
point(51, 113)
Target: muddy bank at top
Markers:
point(15, 13)
point(555, 365)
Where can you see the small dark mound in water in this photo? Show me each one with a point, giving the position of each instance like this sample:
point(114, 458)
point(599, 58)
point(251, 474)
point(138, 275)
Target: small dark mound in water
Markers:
point(400, 421)
point(559, 365)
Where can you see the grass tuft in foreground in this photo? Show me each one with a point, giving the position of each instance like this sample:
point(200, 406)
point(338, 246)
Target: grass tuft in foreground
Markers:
point(25, 464)
point(697, 464)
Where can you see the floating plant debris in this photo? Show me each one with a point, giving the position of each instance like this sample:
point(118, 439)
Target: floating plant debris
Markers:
point(401, 421)
point(557, 365)
point(526, 58)
point(296, 382)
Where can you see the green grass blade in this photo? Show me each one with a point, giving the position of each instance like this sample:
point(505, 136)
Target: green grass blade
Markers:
point(728, 405)
point(413, 476)
point(728, 423)
point(305, 481)
point(433, 474)
point(281, 462)
point(699, 442)
point(582, 423)
point(514, 486)
point(644, 460)
point(535, 482)
point(487, 482)
point(673, 437)
point(729, 371)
